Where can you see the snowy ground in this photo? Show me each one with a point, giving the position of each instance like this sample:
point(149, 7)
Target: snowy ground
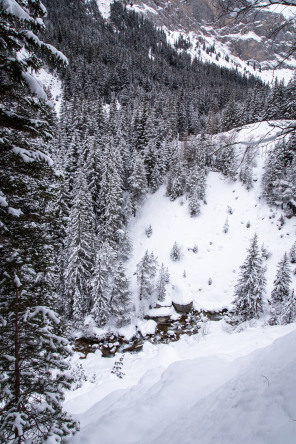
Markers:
point(223, 388)
point(217, 386)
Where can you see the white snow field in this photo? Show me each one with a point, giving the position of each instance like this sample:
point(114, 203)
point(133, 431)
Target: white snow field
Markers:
point(217, 386)
point(210, 389)
point(219, 254)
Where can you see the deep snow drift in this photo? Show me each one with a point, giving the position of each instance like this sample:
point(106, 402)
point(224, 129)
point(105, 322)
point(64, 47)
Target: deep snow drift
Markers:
point(210, 393)
point(214, 387)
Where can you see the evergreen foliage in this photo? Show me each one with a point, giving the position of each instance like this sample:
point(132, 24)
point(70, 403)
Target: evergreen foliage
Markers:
point(120, 301)
point(176, 253)
point(102, 284)
point(79, 253)
point(138, 183)
point(280, 295)
point(33, 352)
point(278, 181)
point(146, 273)
point(250, 288)
point(293, 253)
point(226, 226)
point(288, 314)
point(162, 281)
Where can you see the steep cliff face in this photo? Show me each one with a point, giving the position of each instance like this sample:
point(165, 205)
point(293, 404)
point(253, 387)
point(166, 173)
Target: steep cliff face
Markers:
point(252, 40)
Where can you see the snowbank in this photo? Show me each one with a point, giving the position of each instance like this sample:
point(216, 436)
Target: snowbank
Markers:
point(217, 395)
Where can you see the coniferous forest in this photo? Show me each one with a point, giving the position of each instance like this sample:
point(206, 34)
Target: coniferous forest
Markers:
point(71, 183)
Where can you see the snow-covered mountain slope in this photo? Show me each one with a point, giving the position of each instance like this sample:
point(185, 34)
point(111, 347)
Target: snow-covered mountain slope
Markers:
point(219, 254)
point(248, 46)
point(216, 386)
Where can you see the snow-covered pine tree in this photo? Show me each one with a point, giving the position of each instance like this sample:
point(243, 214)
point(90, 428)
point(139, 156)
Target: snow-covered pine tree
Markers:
point(138, 183)
point(93, 170)
point(120, 300)
point(278, 181)
point(288, 314)
point(292, 253)
point(195, 187)
point(102, 283)
point(146, 272)
point(281, 290)
point(226, 161)
point(176, 252)
point(33, 353)
point(79, 253)
point(246, 175)
point(290, 102)
point(194, 202)
point(176, 180)
point(111, 197)
point(230, 115)
point(196, 182)
point(226, 226)
point(162, 281)
point(250, 288)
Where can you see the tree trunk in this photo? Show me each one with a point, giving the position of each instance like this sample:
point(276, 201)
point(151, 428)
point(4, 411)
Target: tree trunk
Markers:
point(16, 355)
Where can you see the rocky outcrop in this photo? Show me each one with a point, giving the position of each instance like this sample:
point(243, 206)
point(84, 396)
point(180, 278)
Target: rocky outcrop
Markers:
point(252, 39)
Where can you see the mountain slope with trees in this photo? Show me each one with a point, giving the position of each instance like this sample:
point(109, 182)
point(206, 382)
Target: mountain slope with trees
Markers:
point(141, 123)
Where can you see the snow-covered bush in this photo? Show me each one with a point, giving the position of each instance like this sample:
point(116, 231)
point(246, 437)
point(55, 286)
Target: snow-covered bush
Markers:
point(195, 249)
point(176, 252)
point(226, 226)
point(292, 253)
point(148, 231)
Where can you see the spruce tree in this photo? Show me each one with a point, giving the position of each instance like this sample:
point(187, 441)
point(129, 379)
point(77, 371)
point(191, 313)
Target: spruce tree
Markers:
point(278, 181)
point(146, 272)
point(79, 253)
point(292, 253)
point(162, 281)
point(33, 352)
point(120, 301)
point(281, 291)
point(176, 252)
point(110, 198)
point(250, 288)
point(194, 203)
point(288, 314)
point(138, 183)
point(102, 283)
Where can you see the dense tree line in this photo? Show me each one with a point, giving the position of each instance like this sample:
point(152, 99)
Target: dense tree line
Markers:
point(130, 59)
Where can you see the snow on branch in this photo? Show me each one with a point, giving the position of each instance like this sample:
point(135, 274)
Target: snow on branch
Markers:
point(35, 86)
point(15, 211)
point(18, 422)
point(31, 156)
point(56, 53)
point(3, 201)
point(46, 313)
point(11, 7)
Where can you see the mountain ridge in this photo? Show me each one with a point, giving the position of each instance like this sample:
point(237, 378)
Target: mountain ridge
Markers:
point(249, 45)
